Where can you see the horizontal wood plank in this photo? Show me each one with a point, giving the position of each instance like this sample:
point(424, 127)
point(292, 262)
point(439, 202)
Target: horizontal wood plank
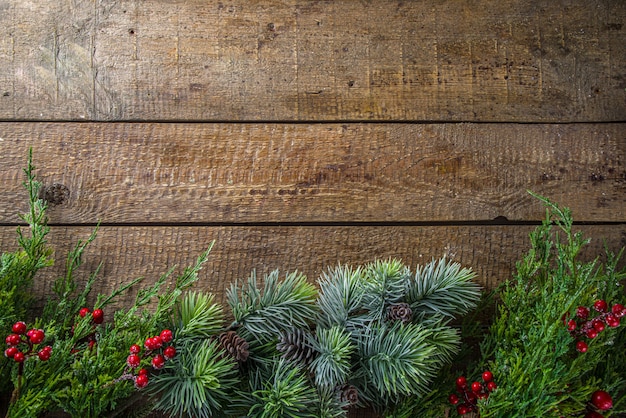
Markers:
point(237, 173)
point(485, 60)
point(130, 252)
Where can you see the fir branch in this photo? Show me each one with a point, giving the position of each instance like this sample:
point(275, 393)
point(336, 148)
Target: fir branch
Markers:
point(385, 282)
point(332, 365)
point(278, 306)
point(340, 296)
point(197, 382)
point(199, 316)
point(401, 360)
point(442, 289)
point(286, 394)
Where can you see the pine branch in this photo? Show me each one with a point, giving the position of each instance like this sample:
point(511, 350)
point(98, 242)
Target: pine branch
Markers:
point(198, 382)
point(286, 394)
point(385, 282)
point(398, 360)
point(199, 315)
point(278, 306)
point(340, 296)
point(332, 365)
point(442, 289)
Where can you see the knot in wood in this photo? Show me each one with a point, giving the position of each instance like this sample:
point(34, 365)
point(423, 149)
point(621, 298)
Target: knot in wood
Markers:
point(54, 194)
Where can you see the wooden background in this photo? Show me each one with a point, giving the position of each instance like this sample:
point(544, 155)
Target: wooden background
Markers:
point(301, 134)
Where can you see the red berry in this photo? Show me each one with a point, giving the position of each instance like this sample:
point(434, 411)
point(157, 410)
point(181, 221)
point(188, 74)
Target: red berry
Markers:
point(91, 344)
point(612, 320)
point(453, 398)
point(491, 386)
point(169, 352)
point(598, 325)
point(166, 335)
point(462, 409)
point(44, 355)
point(83, 312)
point(149, 344)
point(592, 333)
point(581, 346)
point(19, 357)
point(98, 316)
point(10, 352)
point(158, 361)
point(19, 327)
point(135, 349)
point(133, 360)
point(601, 400)
point(13, 339)
point(582, 312)
point(600, 306)
point(141, 381)
point(37, 336)
point(487, 376)
point(571, 325)
point(158, 342)
point(483, 395)
point(143, 371)
point(619, 310)
point(461, 381)
point(476, 387)
point(47, 348)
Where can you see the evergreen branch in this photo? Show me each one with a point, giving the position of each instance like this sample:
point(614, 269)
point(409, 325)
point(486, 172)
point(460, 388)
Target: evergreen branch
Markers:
point(385, 282)
point(399, 360)
point(286, 394)
point(199, 315)
point(280, 305)
point(197, 382)
point(332, 365)
point(442, 288)
point(340, 296)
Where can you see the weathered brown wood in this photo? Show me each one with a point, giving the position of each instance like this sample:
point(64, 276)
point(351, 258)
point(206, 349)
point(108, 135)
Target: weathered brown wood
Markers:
point(486, 60)
point(130, 252)
point(134, 173)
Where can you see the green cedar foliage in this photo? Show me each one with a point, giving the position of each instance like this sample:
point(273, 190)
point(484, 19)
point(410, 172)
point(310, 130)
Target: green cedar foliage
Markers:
point(82, 376)
point(529, 349)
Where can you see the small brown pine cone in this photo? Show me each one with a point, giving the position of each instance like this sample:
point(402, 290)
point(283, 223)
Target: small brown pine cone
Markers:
point(349, 394)
point(234, 345)
point(400, 312)
point(294, 346)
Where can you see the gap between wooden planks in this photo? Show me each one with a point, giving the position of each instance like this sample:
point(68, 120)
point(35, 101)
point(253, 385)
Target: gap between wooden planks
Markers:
point(210, 173)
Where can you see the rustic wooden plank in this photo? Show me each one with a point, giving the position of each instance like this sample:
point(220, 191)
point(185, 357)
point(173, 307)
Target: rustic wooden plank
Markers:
point(487, 60)
point(130, 252)
point(145, 172)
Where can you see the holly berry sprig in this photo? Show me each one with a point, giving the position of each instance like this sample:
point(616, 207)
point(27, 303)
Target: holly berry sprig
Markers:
point(97, 318)
point(582, 325)
point(156, 350)
point(466, 397)
point(22, 344)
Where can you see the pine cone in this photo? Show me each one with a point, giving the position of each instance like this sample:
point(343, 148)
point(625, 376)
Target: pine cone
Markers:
point(234, 345)
point(294, 346)
point(349, 394)
point(400, 312)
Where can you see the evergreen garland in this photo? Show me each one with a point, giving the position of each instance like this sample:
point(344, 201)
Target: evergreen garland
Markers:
point(375, 335)
point(545, 349)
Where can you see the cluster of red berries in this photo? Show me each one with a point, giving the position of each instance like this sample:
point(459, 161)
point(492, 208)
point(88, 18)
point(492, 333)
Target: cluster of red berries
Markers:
point(28, 340)
point(584, 326)
point(600, 400)
point(97, 316)
point(467, 397)
point(156, 348)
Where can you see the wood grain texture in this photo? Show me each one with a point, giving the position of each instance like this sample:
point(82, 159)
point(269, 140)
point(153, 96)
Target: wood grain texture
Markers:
point(130, 252)
point(171, 173)
point(261, 60)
